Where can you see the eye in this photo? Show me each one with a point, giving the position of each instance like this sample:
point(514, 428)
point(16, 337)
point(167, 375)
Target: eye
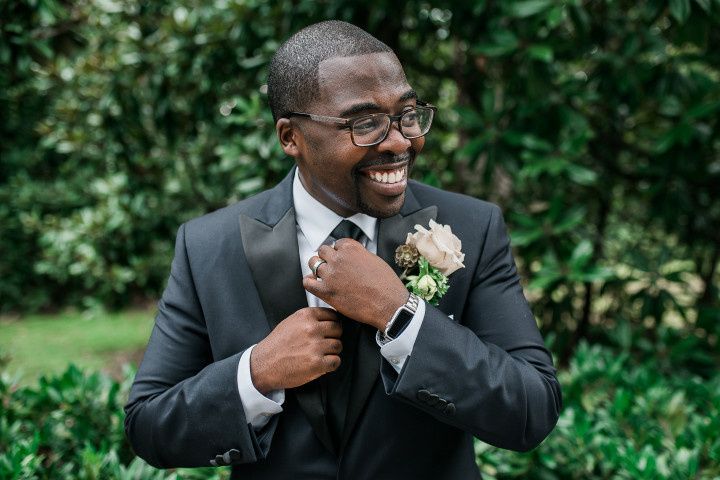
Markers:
point(366, 125)
point(410, 118)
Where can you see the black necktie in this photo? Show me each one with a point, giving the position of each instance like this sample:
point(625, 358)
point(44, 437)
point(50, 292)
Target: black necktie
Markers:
point(338, 382)
point(347, 229)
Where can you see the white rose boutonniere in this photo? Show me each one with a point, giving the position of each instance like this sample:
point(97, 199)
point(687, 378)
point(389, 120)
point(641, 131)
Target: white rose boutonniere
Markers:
point(436, 253)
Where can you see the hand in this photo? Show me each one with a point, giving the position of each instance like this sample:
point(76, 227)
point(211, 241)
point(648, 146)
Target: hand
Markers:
point(301, 348)
point(357, 283)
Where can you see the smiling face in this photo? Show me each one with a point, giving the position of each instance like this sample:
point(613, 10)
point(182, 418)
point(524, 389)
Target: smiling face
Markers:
point(346, 178)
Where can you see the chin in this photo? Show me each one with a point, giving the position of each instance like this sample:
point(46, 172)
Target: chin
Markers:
point(384, 211)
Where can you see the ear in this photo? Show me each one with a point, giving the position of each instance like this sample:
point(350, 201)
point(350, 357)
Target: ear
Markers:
point(290, 136)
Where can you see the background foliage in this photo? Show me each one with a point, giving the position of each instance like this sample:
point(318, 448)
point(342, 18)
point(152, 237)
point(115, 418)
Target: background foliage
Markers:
point(623, 418)
point(594, 124)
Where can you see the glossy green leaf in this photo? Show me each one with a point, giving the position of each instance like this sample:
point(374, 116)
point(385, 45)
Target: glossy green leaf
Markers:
point(544, 53)
point(527, 8)
point(680, 9)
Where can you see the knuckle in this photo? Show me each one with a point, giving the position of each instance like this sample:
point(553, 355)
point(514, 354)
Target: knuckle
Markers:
point(309, 328)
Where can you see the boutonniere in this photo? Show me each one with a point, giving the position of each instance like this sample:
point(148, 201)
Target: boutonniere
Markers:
point(431, 256)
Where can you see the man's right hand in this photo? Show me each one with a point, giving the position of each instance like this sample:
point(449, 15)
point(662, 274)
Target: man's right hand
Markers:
point(301, 348)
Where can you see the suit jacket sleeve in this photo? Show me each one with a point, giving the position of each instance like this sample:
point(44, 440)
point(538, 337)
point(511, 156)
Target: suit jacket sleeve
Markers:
point(184, 408)
point(490, 374)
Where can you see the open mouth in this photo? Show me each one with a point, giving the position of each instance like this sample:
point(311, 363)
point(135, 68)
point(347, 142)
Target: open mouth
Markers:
point(387, 174)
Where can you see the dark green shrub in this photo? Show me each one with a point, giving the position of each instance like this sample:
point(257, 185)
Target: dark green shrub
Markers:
point(71, 426)
point(595, 124)
point(622, 418)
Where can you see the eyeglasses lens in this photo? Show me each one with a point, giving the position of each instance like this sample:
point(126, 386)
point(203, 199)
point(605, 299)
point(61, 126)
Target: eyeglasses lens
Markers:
point(373, 129)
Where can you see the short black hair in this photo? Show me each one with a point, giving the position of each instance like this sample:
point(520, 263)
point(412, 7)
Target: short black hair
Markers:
point(293, 73)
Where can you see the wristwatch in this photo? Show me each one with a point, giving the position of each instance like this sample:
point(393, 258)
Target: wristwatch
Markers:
point(401, 318)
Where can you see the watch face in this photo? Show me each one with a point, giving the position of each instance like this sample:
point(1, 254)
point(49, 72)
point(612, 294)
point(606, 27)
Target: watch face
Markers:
point(401, 322)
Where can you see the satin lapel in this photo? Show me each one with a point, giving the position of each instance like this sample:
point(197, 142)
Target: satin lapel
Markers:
point(272, 253)
point(392, 232)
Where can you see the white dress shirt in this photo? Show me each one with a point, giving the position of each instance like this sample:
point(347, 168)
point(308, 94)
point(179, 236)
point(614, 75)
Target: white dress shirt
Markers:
point(315, 222)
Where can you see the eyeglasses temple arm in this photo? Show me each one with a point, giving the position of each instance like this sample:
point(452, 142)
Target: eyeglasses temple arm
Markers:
point(322, 118)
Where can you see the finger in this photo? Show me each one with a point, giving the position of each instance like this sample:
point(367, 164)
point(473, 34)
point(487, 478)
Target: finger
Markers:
point(331, 363)
point(346, 243)
point(332, 346)
point(313, 260)
point(324, 313)
point(314, 285)
point(331, 328)
point(327, 253)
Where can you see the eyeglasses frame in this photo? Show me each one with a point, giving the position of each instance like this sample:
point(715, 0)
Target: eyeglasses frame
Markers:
point(348, 122)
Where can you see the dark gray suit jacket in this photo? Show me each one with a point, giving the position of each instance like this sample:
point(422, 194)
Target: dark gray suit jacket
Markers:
point(236, 274)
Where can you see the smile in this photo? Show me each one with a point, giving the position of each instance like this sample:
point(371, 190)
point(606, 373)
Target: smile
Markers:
point(387, 176)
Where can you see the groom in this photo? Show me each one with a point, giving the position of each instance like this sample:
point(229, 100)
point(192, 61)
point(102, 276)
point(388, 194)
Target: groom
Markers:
point(285, 343)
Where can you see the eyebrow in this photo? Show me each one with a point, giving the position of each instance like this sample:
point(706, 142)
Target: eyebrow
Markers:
point(409, 95)
point(361, 107)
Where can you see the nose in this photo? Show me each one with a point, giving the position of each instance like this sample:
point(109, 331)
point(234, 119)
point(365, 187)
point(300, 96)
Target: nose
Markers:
point(394, 142)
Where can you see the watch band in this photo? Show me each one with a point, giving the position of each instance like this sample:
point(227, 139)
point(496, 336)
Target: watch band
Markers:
point(401, 318)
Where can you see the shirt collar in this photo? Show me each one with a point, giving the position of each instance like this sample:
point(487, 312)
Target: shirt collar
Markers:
point(317, 221)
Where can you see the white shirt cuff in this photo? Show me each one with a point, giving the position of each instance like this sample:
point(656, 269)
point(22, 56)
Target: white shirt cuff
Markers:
point(257, 407)
point(397, 350)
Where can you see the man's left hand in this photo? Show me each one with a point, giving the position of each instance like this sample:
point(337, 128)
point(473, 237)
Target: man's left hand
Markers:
point(357, 283)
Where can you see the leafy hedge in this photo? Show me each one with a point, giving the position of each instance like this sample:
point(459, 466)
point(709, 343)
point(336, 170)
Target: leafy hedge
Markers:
point(71, 426)
point(595, 124)
point(623, 418)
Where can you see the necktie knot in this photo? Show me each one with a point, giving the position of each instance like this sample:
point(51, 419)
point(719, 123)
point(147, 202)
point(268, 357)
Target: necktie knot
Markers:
point(347, 229)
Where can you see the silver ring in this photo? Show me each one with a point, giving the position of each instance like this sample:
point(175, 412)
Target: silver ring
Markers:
point(316, 265)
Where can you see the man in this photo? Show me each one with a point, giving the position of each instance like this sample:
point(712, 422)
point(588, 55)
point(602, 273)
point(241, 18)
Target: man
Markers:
point(248, 365)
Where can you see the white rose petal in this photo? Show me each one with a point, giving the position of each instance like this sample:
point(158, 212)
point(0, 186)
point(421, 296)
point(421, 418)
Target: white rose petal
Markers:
point(439, 246)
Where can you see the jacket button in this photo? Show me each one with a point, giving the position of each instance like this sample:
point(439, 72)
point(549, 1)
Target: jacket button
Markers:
point(441, 404)
point(235, 455)
point(423, 395)
point(450, 409)
point(433, 399)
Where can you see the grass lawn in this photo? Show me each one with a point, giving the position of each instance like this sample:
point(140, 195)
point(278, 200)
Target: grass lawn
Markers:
point(35, 345)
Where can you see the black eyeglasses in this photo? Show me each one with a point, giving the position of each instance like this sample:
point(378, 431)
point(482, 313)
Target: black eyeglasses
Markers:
point(368, 130)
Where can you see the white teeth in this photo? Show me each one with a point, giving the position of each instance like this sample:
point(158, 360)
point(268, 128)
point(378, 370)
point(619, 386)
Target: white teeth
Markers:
point(388, 177)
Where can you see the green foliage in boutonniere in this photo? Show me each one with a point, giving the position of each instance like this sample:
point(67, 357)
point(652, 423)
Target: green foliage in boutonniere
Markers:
point(429, 284)
point(434, 255)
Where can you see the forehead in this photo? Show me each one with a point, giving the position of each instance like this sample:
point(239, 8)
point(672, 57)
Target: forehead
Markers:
point(370, 78)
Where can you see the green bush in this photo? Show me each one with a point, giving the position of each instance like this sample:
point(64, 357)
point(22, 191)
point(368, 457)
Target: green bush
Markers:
point(622, 418)
point(595, 124)
point(71, 426)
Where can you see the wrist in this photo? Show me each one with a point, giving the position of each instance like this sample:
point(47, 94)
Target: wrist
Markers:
point(258, 375)
point(401, 318)
point(392, 307)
